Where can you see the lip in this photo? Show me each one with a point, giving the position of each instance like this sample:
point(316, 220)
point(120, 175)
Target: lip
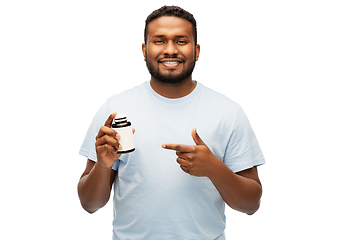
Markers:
point(170, 62)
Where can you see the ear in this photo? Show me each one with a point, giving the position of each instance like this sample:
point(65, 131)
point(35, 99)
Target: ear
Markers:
point(197, 51)
point(144, 51)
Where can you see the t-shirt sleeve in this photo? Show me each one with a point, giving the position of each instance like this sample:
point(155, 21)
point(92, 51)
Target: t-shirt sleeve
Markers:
point(243, 150)
point(88, 146)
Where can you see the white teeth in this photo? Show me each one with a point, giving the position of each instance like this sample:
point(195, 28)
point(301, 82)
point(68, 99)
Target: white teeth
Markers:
point(171, 62)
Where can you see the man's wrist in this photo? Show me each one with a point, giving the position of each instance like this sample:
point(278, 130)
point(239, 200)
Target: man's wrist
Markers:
point(218, 170)
point(101, 166)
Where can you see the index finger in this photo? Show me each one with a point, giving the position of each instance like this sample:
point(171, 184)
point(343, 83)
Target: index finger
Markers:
point(178, 147)
point(110, 120)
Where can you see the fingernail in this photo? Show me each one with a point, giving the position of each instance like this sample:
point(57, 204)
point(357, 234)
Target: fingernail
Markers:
point(117, 136)
point(163, 146)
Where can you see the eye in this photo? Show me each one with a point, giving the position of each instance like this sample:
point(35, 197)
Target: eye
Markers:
point(159, 42)
point(181, 42)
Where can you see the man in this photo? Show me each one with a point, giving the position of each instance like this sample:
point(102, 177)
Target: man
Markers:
point(195, 149)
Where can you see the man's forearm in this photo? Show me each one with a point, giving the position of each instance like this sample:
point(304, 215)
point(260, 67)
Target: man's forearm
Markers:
point(240, 193)
point(94, 188)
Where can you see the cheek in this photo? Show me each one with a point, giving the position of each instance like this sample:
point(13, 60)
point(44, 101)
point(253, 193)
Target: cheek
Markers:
point(153, 52)
point(189, 53)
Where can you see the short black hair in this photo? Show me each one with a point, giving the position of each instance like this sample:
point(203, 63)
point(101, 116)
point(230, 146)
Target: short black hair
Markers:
point(172, 11)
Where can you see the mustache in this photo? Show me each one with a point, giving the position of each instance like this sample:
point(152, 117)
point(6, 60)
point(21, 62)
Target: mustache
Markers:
point(176, 57)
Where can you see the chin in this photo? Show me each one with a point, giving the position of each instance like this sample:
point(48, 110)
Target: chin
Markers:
point(171, 78)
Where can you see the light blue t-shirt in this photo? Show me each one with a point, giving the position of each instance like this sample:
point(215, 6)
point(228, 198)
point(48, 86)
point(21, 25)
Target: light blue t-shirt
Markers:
point(153, 197)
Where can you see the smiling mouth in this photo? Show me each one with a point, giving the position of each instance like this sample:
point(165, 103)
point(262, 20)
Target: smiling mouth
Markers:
point(170, 63)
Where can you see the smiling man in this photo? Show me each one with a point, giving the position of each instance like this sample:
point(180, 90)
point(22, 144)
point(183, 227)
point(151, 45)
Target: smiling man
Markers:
point(195, 148)
point(170, 50)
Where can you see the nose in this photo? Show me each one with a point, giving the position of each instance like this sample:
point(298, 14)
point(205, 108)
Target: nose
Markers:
point(171, 48)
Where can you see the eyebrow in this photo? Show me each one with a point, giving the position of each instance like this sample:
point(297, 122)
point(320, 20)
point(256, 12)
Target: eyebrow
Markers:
point(157, 36)
point(177, 36)
point(182, 36)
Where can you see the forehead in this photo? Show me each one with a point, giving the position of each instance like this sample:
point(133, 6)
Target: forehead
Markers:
point(170, 26)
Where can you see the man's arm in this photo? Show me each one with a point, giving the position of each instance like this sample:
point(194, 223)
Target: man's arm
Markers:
point(241, 191)
point(95, 184)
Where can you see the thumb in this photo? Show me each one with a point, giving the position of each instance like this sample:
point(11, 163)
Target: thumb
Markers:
point(110, 120)
point(196, 137)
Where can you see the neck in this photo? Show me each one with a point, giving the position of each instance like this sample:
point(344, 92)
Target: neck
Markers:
point(173, 90)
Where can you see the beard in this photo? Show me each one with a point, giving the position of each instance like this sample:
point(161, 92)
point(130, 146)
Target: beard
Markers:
point(171, 77)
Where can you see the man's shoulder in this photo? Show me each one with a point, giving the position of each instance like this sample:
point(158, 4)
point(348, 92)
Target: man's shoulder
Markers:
point(134, 92)
point(217, 98)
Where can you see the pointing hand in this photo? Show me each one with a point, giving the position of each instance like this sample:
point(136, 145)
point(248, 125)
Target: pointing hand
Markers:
point(196, 160)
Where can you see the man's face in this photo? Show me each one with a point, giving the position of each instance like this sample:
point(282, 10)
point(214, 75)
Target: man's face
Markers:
point(170, 52)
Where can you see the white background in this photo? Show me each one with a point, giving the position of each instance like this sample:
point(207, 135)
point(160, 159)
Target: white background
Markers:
point(292, 65)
